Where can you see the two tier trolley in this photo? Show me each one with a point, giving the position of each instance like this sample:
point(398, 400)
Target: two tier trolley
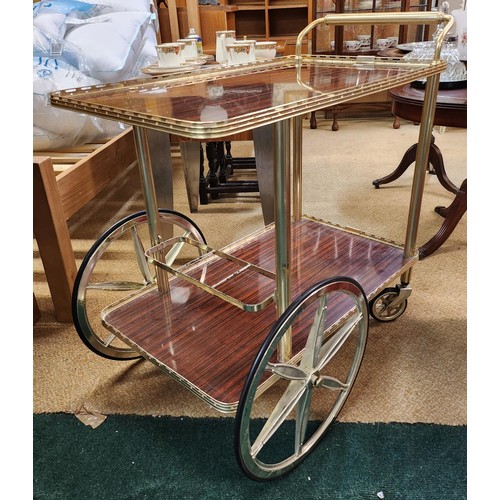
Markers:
point(271, 327)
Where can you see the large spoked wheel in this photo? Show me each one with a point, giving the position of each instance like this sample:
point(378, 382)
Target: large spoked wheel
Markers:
point(115, 267)
point(385, 307)
point(275, 432)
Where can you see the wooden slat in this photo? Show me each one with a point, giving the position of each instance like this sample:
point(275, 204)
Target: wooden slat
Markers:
point(83, 148)
point(63, 182)
point(61, 167)
point(52, 236)
point(69, 158)
point(85, 179)
point(172, 17)
point(193, 15)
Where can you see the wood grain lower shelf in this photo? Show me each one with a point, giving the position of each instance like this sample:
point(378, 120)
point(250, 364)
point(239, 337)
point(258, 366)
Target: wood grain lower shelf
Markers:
point(207, 344)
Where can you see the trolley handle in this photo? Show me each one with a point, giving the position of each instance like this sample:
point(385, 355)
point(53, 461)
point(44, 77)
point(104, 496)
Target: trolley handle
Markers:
point(401, 18)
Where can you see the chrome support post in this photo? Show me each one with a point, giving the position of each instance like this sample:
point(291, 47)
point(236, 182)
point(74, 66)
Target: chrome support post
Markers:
point(421, 161)
point(148, 189)
point(297, 167)
point(281, 132)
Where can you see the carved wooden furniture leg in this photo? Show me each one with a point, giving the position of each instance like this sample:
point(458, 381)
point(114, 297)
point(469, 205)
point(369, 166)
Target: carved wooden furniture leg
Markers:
point(221, 162)
point(217, 177)
point(396, 123)
point(335, 123)
point(312, 122)
point(452, 215)
point(228, 158)
point(203, 179)
point(212, 168)
point(407, 160)
point(435, 160)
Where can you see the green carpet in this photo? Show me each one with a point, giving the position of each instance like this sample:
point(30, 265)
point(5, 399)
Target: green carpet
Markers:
point(136, 457)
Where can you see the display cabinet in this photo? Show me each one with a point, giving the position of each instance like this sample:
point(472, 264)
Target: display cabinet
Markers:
point(334, 39)
point(280, 20)
point(329, 39)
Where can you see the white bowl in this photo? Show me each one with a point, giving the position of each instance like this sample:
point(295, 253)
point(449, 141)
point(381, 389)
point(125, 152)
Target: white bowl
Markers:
point(265, 50)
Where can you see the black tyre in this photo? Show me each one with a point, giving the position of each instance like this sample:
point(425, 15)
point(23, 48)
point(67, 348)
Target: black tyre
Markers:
point(304, 395)
point(107, 274)
point(383, 308)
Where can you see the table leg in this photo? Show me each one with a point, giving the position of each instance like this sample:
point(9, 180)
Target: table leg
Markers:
point(281, 155)
point(335, 123)
point(264, 147)
point(435, 160)
point(312, 121)
point(211, 151)
point(452, 215)
point(161, 162)
point(192, 155)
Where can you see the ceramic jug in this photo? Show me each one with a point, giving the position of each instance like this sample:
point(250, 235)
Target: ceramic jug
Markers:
point(222, 39)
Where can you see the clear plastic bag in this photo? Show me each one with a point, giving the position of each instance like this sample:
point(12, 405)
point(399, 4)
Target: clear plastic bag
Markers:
point(57, 128)
point(49, 16)
point(77, 44)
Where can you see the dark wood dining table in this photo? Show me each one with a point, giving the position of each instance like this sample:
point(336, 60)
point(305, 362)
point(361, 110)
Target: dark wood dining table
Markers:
point(451, 111)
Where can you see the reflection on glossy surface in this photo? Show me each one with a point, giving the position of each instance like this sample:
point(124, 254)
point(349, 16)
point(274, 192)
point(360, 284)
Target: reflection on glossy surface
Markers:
point(249, 94)
point(211, 343)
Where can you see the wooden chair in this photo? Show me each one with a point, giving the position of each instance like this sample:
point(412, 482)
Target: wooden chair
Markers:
point(58, 196)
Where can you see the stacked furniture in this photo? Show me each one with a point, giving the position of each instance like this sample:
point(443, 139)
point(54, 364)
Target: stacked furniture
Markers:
point(60, 193)
point(75, 156)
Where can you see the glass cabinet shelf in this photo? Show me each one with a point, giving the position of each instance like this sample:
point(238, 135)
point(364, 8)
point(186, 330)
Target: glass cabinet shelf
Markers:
point(348, 40)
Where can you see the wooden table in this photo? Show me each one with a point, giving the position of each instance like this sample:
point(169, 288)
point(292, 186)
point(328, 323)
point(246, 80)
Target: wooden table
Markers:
point(451, 111)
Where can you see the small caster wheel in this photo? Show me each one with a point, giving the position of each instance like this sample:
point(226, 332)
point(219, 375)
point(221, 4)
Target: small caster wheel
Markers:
point(382, 307)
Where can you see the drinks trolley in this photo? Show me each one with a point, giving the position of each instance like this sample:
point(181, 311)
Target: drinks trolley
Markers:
point(273, 326)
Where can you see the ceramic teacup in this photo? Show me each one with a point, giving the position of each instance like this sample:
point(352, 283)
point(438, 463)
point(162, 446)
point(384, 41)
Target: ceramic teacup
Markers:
point(364, 39)
point(383, 43)
point(240, 53)
point(394, 40)
point(191, 47)
point(171, 55)
point(252, 47)
point(352, 44)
